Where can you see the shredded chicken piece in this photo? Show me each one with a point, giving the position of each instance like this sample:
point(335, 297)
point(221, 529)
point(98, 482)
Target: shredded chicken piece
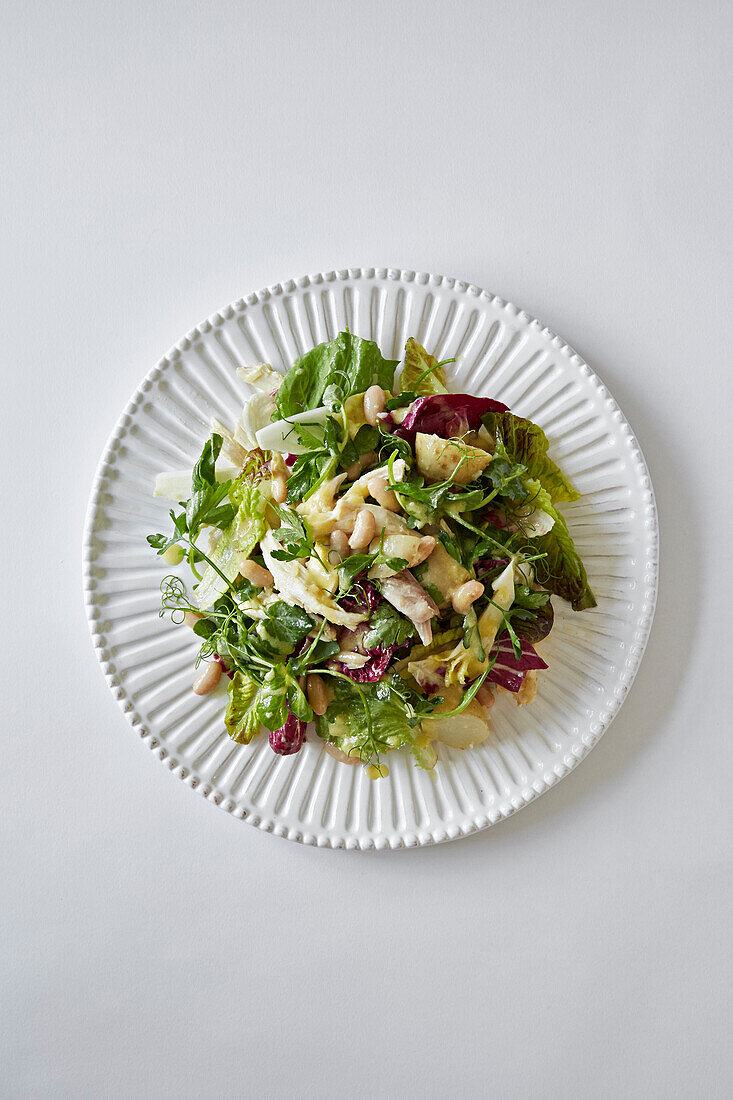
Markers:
point(410, 598)
point(297, 586)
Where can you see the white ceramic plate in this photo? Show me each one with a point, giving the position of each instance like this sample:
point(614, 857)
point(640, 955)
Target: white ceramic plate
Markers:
point(592, 655)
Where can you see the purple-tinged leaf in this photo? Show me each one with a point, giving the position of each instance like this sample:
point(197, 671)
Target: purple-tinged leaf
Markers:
point(445, 414)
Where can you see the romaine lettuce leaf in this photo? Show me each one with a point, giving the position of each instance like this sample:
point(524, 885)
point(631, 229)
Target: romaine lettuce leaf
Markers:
point(414, 376)
point(561, 572)
point(242, 718)
point(239, 538)
point(527, 445)
point(269, 704)
point(345, 365)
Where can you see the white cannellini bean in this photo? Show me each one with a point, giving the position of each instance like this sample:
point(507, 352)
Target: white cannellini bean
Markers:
point(363, 532)
point(340, 543)
point(374, 402)
point(255, 573)
point(208, 679)
point(338, 755)
point(190, 618)
point(466, 595)
point(360, 465)
point(317, 693)
point(384, 496)
point(279, 489)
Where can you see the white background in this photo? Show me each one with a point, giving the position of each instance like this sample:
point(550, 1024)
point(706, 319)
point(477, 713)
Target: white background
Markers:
point(160, 160)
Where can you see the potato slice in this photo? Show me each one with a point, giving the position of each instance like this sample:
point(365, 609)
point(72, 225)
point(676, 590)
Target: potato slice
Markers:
point(464, 730)
point(439, 459)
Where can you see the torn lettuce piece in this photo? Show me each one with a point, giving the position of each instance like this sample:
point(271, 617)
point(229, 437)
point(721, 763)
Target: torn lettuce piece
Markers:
point(268, 704)
point(237, 541)
point(527, 444)
point(345, 365)
point(242, 718)
point(562, 572)
point(421, 374)
point(447, 415)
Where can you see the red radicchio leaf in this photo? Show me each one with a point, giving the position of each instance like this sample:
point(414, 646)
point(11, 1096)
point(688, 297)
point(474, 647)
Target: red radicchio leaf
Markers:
point(290, 737)
point(365, 597)
point(445, 414)
point(485, 565)
point(375, 667)
point(510, 671)
point(496, 519)
point(290, 460)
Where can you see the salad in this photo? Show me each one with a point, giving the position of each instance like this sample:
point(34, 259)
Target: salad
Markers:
point(370, 552)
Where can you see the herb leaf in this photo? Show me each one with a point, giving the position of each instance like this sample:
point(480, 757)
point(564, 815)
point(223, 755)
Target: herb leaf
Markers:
point(526, 597)
point(387, 628)
point(293, 534)
point(365, 440)
point(205, 505)
point(352, 567)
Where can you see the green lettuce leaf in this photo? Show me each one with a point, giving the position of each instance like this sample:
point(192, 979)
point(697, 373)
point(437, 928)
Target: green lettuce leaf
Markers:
point(268, 704)
point(254, 470)
point(415, 377)
point(344, 723)
point(346, 365)
point(239, 538)
point(561, 572)
point(526, 444)
point(248, 526)
point(365, 439)
point(242, 718)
